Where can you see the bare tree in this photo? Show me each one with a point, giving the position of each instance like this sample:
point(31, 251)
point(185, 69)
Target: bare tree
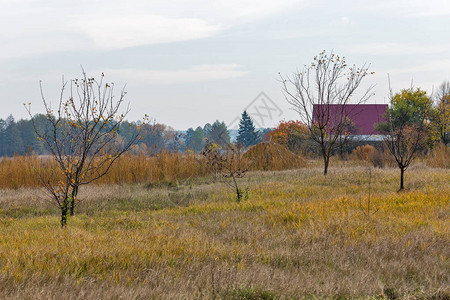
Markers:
point(367, 209)
point(229, 164)
point(403, 143)
point(82, 137)
point(321, 94)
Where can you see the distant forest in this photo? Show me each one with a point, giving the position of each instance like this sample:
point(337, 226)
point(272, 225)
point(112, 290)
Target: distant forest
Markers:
point(19, 137)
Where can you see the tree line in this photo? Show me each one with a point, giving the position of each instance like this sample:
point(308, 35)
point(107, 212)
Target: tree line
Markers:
point(19, 137)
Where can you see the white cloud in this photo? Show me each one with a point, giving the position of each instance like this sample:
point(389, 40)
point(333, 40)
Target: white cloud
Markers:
point(402, 8)
point(420, 8)
point(199, 73)
point(114, 24)
point(432, 66)
point(129, 31)
point(41, 26)
point(345, 20)
point(386, 48)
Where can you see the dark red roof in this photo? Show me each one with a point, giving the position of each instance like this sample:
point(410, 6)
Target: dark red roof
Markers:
point(364, 116)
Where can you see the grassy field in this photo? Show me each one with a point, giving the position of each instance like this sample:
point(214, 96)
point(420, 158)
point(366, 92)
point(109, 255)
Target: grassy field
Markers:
point(298, 235)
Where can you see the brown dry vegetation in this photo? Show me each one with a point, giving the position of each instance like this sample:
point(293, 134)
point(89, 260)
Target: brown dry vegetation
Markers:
point(439, 156)
point(168, 167)
point(299, 235)
point(271, 156)
point(27, 171)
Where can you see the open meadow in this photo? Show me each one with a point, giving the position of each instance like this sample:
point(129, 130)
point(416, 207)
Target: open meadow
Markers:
point(243, 150)
point(299, 234)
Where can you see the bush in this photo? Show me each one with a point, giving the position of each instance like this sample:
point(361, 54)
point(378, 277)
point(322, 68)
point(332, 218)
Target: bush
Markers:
point(364, 153)
point(378, 159)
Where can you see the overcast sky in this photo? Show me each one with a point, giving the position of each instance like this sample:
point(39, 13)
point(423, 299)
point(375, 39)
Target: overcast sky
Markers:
point(188, 62)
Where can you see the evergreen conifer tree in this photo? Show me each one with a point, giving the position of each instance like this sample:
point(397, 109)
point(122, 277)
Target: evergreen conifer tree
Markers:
point(247, 134)
point(218, 134)
point(197, 141)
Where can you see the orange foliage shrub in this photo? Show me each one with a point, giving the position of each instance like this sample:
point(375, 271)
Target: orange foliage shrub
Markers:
point(289, 134)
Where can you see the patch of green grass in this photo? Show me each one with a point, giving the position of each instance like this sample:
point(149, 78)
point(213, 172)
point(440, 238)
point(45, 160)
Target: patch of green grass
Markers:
point(248, 293)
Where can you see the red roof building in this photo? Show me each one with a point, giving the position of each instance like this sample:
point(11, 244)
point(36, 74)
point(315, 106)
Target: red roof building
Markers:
point(363, 116)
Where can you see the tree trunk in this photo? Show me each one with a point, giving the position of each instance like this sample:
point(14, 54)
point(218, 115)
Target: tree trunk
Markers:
point(402, 173)
point(326, 161)
point(238, 192)
point(64, 215)
point(72, 200)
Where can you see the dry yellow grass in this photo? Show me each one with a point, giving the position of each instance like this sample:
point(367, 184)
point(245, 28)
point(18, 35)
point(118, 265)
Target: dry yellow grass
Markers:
point(24, 171)
point(299, 235)
point(166, 167)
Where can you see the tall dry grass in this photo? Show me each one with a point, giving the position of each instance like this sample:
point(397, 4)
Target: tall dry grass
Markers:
point(163, 167)
point(27, 171)
point(272, 156)
point(439, 157)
